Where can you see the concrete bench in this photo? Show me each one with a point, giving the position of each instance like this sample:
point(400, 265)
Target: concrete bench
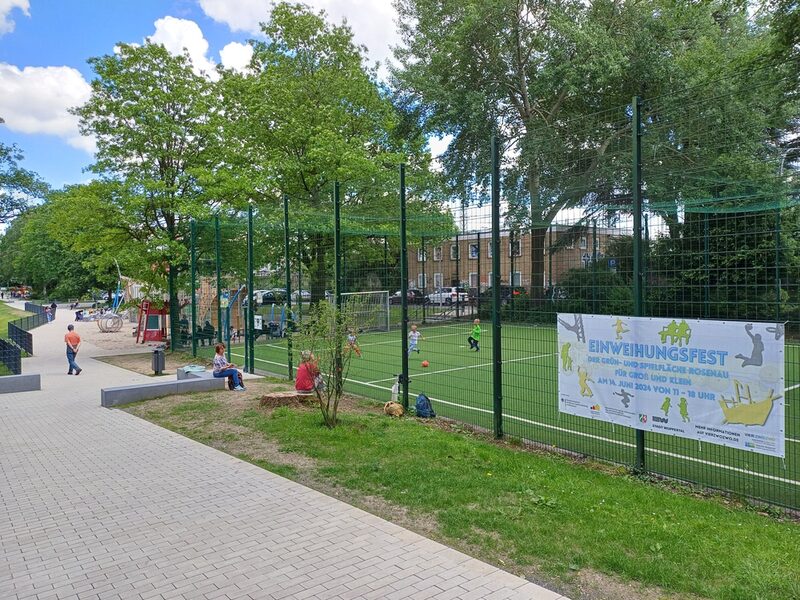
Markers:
point(183, 374)
point(126, 394)
point(10, 384)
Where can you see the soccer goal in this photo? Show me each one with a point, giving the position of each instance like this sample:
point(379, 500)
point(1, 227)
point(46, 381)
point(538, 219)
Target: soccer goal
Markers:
point(369, 310)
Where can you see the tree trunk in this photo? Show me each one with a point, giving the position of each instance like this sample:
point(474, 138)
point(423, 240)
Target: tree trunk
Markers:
point(538, 234)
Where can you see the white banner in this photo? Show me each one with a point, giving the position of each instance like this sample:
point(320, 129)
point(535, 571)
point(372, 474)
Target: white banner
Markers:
point(713, 381)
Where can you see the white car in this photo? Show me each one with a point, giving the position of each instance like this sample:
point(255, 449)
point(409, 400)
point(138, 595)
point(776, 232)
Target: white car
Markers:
point(448, 295)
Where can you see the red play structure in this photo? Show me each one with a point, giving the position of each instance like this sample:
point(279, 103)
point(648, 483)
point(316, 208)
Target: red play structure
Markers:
point(152, 323)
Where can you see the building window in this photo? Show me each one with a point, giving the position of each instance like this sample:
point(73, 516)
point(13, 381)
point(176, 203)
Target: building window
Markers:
point(438, 280)
point(421, 281)
point(582, 243)
point(422, 256)
point(437, 253)
point(489, 249)
point(474, 251)
point(515, 247)
point(473, 280)
point(517, 279)
point(454, 252)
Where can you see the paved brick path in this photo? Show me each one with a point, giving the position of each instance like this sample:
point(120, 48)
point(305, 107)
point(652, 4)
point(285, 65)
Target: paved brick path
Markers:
point(96, 503)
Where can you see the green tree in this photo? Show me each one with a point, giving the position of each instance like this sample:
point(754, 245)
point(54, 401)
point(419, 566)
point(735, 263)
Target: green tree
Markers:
point(309, 113)
point(18, 186)
point(556, 79)
point(149, 113)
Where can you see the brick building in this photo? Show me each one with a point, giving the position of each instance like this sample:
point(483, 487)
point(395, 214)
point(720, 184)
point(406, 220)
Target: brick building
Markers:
point(467, 259)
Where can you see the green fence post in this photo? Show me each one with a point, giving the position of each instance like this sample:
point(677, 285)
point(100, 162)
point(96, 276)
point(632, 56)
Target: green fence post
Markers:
point(173, 309)
point(706, 269)
point(778, 264)
point(637, 243)
point(549, 262)
point(458, 277)
point(288, 269)
point(337, 248)
point(300, 276)
point(594, 266)
point(218, 261)
point(478, 258)
point(497, 379)
point(250, 330)
point(403, 287)
point(193, 255)
point(424, 278)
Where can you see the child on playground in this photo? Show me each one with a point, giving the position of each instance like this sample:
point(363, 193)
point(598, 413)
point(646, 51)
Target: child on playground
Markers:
point(352, 343)
point(413, 340)
point(475, 335)
point(222, 368)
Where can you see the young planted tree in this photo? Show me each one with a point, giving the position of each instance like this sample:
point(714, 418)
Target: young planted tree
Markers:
point(324, 333)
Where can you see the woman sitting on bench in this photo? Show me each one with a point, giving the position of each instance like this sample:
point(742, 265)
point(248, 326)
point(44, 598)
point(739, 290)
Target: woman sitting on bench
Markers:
point(222, 368)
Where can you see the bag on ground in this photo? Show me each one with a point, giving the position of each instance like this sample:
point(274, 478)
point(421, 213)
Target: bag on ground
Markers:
point(423, 407)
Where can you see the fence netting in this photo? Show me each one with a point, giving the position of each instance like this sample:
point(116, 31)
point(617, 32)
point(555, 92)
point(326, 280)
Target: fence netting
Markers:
point(718, 239)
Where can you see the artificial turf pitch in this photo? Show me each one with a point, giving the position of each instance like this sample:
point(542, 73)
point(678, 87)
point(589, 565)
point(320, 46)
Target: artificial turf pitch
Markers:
point(459, 384)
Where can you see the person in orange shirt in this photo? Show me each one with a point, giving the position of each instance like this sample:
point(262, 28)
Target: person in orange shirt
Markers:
point(73, 342)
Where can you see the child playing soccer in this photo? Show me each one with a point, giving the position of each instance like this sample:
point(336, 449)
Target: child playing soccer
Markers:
point(413, 338)
point(475, 336)
point(352, 343)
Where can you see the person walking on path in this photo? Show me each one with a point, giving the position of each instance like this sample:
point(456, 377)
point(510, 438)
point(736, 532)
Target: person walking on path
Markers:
point(73, 341)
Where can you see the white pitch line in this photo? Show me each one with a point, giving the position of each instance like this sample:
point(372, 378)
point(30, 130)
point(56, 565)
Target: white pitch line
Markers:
point(425, 374)
point(432, 337)
point(582, 434)
point(794, 387)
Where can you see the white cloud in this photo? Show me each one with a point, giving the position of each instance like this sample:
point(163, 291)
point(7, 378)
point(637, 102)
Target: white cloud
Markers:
point(177, 35)
point(238, 15)
point(6, 6)
point(35, 100)
point(372, 21)
point(236, 56)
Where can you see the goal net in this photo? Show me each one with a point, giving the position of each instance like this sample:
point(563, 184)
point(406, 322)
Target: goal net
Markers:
point(368, 310)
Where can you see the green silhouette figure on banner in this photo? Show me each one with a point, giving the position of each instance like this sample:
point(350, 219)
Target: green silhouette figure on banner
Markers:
point(683, 406)
point(566, 359)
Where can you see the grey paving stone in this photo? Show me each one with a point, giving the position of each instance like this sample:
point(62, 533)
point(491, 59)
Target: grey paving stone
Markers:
point(96, 503)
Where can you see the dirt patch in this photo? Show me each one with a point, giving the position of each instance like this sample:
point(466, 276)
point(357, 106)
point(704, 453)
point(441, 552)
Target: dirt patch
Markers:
point(273, 400)
point(121, 342)
point(592, 585)
point(141, 362)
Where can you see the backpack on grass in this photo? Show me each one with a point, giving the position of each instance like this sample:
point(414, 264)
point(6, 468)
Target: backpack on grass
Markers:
point(423, 407)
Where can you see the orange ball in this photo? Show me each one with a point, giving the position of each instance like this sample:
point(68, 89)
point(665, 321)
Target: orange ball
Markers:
point(425, 363)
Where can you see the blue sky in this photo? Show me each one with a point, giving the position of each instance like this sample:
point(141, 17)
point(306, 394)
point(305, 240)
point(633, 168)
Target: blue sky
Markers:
point(44, 46)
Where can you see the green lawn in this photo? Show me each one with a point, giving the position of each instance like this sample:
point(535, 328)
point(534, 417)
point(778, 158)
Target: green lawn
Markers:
point(7, 313)
point(459, 383)
point(533, 513)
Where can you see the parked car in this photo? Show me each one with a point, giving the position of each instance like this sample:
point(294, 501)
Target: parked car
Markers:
point(257, 296)
point(448, 295)
point(413, 297)
point(303, 295)
point(277, 296)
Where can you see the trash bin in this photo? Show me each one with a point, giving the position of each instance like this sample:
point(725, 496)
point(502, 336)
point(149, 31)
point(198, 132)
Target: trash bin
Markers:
point(158, 361)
